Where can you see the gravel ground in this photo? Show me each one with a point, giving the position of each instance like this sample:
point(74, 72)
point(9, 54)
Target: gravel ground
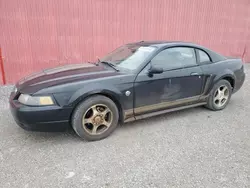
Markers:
point(189, 148)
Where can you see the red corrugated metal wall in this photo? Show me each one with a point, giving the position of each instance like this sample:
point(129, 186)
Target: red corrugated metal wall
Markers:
point(2, 76)
point(42, 34)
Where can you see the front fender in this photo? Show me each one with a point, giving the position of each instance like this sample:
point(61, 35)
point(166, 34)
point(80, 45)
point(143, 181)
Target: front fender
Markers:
point(91, 89)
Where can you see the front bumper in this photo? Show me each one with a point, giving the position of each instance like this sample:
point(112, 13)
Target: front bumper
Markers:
point(45, 118)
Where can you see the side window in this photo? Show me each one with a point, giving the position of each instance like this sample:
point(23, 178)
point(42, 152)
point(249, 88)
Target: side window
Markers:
point(203, 57)
point(174, 58)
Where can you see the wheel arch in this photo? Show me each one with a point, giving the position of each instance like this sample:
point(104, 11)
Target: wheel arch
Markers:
point(78, 98)
point(229, 77)
point(226, 75)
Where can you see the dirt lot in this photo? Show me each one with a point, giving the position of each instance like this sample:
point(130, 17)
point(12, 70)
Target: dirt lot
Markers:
point(189, 148)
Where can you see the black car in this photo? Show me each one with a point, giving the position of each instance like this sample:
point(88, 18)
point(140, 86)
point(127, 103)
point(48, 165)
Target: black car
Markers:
point(135, 81)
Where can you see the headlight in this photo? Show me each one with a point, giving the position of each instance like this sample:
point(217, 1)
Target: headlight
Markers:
point(35, 100)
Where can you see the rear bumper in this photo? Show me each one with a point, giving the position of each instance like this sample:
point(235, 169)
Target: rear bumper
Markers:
point(239, 82)
point(47, 118)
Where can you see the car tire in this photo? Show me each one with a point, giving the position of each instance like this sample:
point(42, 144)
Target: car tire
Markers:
point(91, 114)
point(219, 96)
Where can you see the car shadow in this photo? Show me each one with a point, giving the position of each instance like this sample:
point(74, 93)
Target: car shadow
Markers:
point(151, 121)
point(40, 137)
point(71, 136)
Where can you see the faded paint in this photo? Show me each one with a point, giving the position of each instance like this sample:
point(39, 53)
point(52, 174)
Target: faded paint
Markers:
point(40, 34)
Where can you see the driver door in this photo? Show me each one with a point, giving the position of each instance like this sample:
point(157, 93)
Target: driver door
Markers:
point(180, 82)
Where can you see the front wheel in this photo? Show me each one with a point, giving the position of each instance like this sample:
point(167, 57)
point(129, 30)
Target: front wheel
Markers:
point(95, 118)
point(219, 95)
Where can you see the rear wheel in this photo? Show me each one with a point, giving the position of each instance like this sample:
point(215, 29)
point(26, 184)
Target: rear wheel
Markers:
point(95, 118)
point(220, 95)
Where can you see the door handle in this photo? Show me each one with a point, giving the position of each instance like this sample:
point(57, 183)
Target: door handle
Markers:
point(194, 74)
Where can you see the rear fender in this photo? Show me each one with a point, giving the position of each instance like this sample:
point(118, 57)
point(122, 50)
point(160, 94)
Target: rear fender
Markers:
point(222, 75)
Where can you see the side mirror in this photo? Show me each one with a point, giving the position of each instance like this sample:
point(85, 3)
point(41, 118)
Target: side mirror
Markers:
point(155, 70)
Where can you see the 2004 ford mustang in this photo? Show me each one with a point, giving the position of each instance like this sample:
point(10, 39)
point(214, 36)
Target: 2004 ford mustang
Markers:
point(135, 81)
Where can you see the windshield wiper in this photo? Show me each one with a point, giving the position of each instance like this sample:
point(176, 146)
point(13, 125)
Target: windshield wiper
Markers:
point(109, 64)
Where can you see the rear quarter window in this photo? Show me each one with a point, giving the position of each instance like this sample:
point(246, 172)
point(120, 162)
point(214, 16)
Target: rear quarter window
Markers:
point(203, 57)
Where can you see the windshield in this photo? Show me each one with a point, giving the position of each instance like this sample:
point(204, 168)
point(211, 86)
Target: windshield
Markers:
point(129, 57)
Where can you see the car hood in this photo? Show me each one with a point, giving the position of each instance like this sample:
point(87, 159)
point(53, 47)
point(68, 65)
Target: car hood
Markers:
point(62, 75)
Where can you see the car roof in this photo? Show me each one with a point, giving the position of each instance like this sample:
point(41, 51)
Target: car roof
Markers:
point(161, 44)
point(164, 43)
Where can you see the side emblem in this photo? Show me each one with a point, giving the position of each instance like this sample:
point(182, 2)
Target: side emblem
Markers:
point(127, 93)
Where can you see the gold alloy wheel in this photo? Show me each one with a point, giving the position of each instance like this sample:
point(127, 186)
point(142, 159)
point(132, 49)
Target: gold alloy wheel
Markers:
point(221, 96)
point(97, 119)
